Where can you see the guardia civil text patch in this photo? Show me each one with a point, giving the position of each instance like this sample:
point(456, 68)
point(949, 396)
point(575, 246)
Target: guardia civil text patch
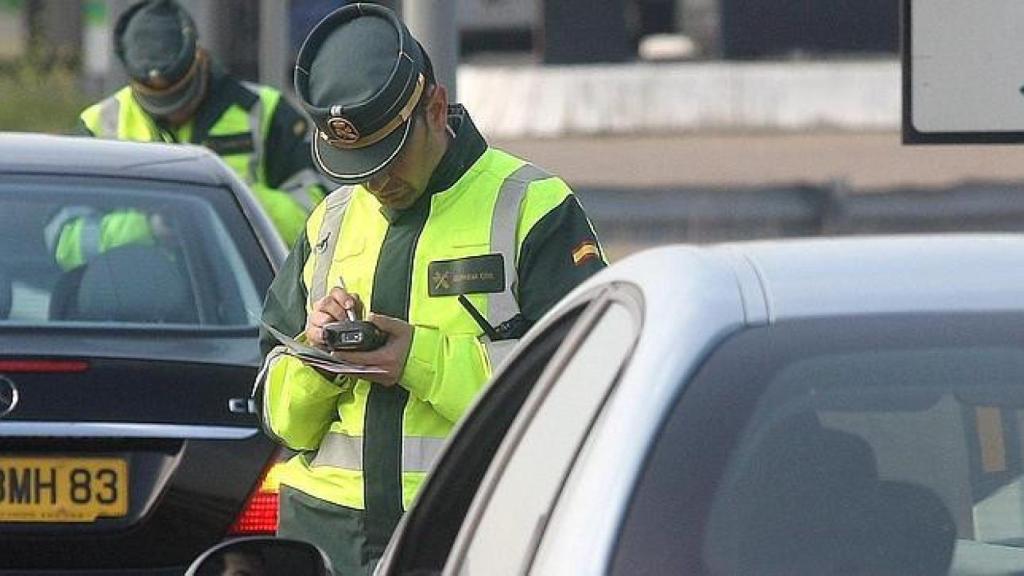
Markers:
point(473, 275)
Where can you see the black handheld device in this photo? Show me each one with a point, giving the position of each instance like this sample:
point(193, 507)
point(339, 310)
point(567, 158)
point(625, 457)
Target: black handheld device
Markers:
point(353, 335)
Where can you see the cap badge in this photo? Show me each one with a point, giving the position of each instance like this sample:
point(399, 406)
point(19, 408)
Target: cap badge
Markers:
point(343, 132)
point(156, 80)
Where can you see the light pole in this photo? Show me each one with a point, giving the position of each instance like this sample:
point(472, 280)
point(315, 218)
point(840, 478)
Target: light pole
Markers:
point(274, 45)
point(433, 24)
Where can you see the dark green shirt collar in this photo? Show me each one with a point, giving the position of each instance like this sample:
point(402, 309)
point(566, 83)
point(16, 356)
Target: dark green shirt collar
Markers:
point(465, 149)
point(223, 92)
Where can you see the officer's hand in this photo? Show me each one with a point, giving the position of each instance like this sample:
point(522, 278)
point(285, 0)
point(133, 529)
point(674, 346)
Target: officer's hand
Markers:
point(390, 357)
point(330, 308)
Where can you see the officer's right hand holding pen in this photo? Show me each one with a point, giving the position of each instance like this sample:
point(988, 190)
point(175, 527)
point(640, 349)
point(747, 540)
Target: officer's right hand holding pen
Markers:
point(339, 305)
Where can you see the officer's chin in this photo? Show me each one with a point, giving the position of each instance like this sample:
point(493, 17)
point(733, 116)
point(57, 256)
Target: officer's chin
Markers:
point(180, 117)
point(176, 117)
point(397, 194)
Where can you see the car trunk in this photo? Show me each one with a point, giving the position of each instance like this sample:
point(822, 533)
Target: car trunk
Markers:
point(133, 450)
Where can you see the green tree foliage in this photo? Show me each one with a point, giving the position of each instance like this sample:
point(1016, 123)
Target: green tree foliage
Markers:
point(39, 97)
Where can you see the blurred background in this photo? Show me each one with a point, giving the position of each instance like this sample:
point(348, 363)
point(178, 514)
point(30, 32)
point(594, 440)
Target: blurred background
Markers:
point(674, 120)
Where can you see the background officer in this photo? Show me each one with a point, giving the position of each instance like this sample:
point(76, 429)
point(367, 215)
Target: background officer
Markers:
point(176, 93)
point(430, 212)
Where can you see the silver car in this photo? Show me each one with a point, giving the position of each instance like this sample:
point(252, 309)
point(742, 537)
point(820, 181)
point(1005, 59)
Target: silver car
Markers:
point(830, 406)
point(826, 406)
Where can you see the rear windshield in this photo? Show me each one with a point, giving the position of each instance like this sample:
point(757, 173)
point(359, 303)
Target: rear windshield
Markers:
point(122, 252)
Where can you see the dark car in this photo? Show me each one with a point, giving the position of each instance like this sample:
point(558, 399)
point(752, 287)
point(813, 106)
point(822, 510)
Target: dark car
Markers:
point(131, 282)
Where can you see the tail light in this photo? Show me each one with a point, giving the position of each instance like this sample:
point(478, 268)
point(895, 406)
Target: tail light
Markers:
point(259, 516)
point(42, 366)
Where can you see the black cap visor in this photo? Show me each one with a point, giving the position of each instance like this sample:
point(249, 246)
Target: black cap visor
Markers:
point(355, 166)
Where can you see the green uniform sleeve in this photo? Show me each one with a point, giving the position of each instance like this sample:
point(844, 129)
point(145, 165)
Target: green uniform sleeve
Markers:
point(81, 129)
point(284, 306)
point(288, 155)
point(298, 402)
point(287, 215)
point(559, 253)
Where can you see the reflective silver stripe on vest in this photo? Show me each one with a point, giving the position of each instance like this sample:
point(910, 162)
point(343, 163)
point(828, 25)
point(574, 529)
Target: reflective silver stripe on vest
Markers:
point(420, 452)
point(498, 351)
point(502, 306)
point(56, 225)
point(323, 250)
point(346, 452)
point(256, 128)
point(110, 112)
point(340, 451)
point(89, 241)
point(298, 186)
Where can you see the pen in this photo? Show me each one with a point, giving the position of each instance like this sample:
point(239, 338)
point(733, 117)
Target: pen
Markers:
point(348, 311)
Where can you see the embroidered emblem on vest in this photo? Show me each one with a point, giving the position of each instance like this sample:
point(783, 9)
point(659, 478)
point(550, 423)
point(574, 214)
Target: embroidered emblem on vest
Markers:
point(473, 275)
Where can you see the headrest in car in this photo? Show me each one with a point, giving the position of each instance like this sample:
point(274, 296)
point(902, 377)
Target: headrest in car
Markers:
point(133, 284)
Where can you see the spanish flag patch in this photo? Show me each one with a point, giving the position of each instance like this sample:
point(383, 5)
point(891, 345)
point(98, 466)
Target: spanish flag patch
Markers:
point(584, 252)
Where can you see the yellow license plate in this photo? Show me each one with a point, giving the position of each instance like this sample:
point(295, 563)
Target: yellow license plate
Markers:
point(62, 489)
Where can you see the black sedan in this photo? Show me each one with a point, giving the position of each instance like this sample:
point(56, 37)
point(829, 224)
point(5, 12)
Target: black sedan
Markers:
point(131, 281)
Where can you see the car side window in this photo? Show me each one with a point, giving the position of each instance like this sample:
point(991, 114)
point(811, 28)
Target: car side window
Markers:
point(425, 537)
point(529, 472)
point(858, 446)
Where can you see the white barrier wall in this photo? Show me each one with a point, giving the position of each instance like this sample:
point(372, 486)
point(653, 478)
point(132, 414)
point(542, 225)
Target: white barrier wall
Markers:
point(523, 101)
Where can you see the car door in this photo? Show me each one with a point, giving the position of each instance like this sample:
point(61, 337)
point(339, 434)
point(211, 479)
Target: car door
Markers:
point(478, 453)
point(507, 519)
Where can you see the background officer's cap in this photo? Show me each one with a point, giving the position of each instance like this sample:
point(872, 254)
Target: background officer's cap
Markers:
point(156, 42)
point(359, 76)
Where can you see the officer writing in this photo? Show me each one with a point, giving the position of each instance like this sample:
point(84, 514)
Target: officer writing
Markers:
point(428, 215)
point(177, 93)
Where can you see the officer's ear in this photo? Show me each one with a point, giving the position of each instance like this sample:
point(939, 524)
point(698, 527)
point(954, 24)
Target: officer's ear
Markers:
point(437, 108)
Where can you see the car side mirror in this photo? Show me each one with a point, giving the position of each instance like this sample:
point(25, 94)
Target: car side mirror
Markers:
point(261, 556)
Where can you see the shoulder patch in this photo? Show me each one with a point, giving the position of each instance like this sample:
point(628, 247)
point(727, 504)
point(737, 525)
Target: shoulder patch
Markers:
point(584, 252)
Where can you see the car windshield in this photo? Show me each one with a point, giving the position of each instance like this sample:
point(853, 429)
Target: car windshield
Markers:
point(114, 252)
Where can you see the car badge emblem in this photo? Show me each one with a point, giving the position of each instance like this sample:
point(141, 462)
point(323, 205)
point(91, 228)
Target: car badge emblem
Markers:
point(8, 396)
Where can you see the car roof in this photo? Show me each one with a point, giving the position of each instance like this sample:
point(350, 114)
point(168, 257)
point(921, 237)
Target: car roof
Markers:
point(50, 154)
point(868, 275)
point(783, 279)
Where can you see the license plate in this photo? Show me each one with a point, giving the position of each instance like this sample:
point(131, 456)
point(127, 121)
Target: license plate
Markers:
point(62, 489)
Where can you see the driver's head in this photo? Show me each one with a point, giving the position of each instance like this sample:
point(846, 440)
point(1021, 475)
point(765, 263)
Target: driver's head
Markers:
point(155, 40)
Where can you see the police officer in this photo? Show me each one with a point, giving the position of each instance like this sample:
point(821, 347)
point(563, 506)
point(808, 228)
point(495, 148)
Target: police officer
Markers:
point(176, 93)
point(428, 212)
